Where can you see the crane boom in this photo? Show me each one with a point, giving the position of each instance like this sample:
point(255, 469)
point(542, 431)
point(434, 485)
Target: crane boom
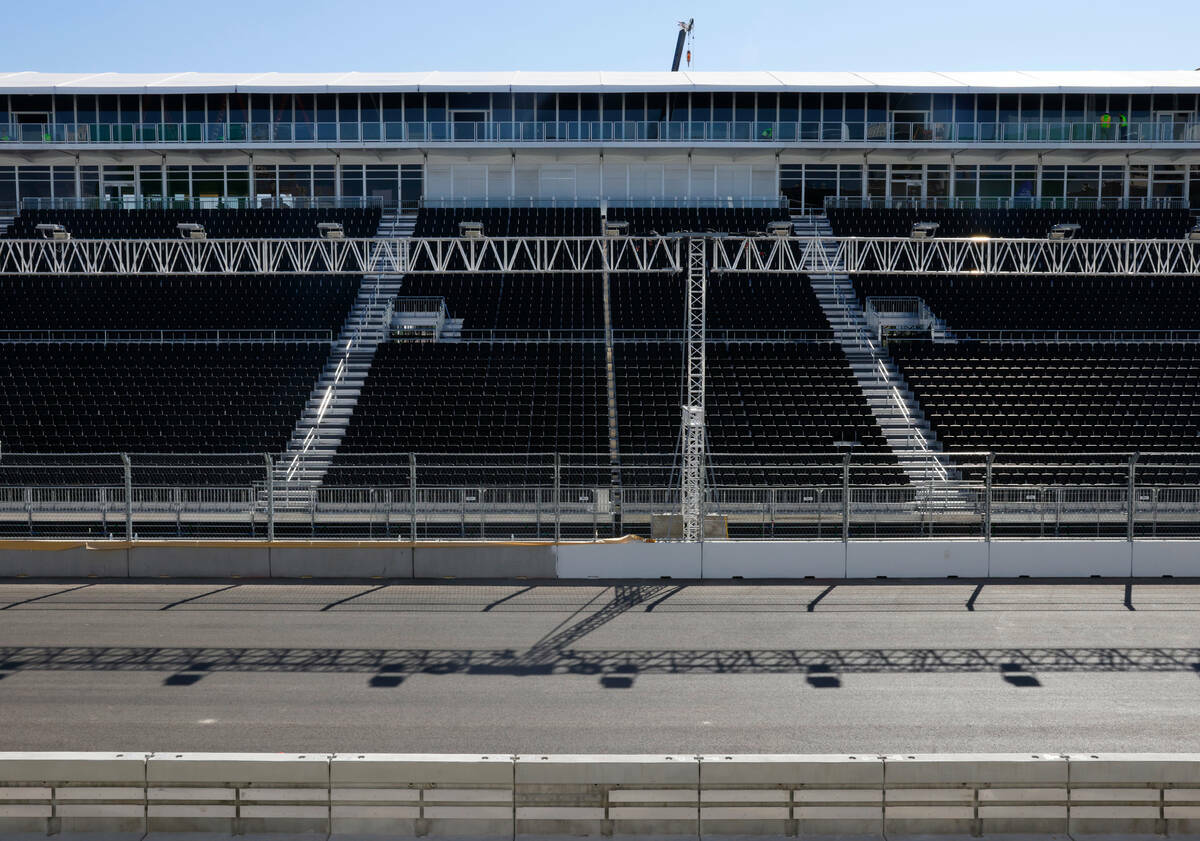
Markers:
point(684, 29)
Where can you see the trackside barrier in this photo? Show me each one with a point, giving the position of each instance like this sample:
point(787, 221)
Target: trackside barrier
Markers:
point(531, 796)
point(421, 795)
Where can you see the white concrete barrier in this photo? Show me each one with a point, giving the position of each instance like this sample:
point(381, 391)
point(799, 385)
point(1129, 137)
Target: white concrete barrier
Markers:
point(1178, 558)
point(774, 559)
point(976, 794)
point(916, 558)
point(411, 795)
point(490, 798)
point(1135, 794)
point(238, 794)
point(787, 795)
point(63, 793)
point(1060, 558)
point(629, 560)
point(597, 796)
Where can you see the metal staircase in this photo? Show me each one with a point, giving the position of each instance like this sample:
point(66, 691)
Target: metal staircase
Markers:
point(893, 404)
point(326, 416)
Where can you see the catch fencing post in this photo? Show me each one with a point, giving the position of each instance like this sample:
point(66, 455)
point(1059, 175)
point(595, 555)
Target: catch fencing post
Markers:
point(1132, 508)
point(128, 496)
point(557, 497)
point(987, 499)
point(412, 496)
point(846, 497)
point(270, 496)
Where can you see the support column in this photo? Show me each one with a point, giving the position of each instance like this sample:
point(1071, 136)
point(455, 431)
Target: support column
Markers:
point(987, 499)
point(557, 497)
point(128, 468)
point(412, 496)
point(846, 497)
point(270, 465)
point(1132, 507)
point(692, 434)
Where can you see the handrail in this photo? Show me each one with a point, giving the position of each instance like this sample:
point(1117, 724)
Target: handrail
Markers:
point(1067, 132)
point(264, 201)
point(164, 336)
point(1004, 203)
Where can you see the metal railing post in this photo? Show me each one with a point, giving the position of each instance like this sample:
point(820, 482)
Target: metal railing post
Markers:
point(128, 496)
point(412, 496)
point(270, 465)
point(846, 497)
point(557, 497)
point(987, 499)
point(1129, 528)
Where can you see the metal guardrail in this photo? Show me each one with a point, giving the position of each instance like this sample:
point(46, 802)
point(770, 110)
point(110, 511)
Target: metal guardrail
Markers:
point(726, 202)
point(478, 496)
point(160, 337)
point(890, 131)
point(270, 202)
point(1004, 203)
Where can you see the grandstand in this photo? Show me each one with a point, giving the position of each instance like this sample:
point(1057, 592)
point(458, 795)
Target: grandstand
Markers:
point(469, 306)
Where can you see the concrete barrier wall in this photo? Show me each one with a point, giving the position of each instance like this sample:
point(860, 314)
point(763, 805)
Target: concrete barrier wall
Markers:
point(717, 559)
point(534, 796)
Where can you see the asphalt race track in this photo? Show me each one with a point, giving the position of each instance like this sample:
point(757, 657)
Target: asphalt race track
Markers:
point(654, 667)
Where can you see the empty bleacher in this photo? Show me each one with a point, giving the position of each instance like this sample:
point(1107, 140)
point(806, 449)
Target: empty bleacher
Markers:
point(1059, 398)
point(1006, 302)
point(1033, 223)
point(782, 401)
point(515, 301)
point(179, 302)
point(469, 397)
point(266, 223)
point(511, 222)
point(144, 398)
point(644, 221)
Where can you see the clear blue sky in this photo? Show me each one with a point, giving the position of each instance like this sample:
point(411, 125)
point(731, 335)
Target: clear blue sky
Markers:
point(392, 35)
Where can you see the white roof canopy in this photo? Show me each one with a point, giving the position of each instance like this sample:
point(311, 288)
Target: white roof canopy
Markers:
point(1032, 81)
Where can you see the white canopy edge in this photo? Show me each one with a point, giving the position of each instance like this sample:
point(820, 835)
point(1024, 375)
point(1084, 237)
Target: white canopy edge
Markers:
point(1015, 81)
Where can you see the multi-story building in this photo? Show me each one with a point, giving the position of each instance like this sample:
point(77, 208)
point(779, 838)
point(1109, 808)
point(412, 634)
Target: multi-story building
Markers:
point(740, 138)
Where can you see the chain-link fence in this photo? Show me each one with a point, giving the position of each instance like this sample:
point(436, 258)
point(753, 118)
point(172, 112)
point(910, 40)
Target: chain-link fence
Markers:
point(422, 496)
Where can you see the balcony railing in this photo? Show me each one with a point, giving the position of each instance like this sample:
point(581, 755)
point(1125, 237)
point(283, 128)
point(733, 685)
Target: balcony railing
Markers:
point(283, 202)
point(1006, 203)
point(602, 132)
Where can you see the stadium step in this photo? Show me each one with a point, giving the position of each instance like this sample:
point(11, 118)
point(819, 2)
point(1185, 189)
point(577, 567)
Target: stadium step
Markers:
point(895, 408)
point(321, 427)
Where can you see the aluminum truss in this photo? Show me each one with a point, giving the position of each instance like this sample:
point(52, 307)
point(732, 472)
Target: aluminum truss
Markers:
point(692, 421)
point(902, 255)
point(347, 256)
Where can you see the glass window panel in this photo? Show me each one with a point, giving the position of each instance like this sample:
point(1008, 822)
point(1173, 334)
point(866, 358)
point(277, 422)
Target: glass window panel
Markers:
point(352, 180)
point(701, 107)
point(324, 181)
point(524, 107)
point(612, 107)
point(414, 107)
point(722, 108)
point(964, 108)
point(911, 101)
point(744, 107)
point(305, 110)
point(568, 107)
point(810, 108)
point(789, 107)
point(502, 107)
point(37, 104)
point(1007, 108)
point(470, 101)
point(768, 105)
point(85, 108)
point(656, 107)
point(1052, 106)
point(370, 105)
point(1074, 107)
point(237, 181)
point(985, 108)
point(294, 180)
point(589, 107)
point(149, 181)
point(326, 108)
point(64, 181)
point(8, 187)
point(217, 106)
point(831, 111)
point(34, 182)
point(1139, 108)
point(547, 107)
point(348, 107)
point(238, 107)
point(635, 106)
point(64, 109)
point(382, 181)
point(435, 107)
point(107, 107)
point(943, 107)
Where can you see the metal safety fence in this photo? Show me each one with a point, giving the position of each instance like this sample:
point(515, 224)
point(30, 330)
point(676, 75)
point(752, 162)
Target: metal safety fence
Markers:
point(835, 496)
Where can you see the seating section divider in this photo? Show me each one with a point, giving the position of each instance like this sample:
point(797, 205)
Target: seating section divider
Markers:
point(543, 796)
